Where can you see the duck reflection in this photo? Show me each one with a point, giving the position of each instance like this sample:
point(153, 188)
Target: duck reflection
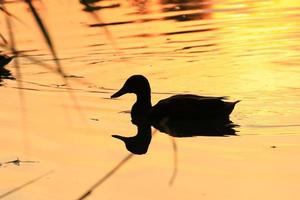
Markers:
point(190, 128)
point(139, 143)
point(184, 115)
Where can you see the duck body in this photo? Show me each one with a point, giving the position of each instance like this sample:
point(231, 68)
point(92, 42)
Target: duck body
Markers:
point(188, 114)
point(187, 110)
point(191, 107)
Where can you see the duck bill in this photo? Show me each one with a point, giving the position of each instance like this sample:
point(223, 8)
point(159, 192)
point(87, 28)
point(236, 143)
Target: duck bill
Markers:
point(121, 92)
point(119, 137)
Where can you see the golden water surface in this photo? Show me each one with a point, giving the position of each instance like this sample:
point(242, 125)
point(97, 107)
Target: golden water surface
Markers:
point(247, 50)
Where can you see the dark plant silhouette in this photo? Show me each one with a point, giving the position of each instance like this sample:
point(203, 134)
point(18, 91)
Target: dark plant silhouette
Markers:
point(46, 35)
point(5, 73)
point(24, 185)
point(139, 143)
point(105, 177)
point(11, 45)
point(89, 6)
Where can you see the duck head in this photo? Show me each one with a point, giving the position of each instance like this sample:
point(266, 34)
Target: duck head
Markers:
point(137, 84)
point(137, 144)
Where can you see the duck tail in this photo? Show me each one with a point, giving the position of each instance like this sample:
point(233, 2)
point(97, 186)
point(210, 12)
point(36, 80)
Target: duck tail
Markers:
point(231, 106)
point(235, 102)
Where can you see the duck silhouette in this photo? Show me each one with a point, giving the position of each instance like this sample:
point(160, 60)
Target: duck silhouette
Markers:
point(177, 108)
point(183, 115)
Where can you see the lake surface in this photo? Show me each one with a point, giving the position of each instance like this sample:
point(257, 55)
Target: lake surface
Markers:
point(246, 50)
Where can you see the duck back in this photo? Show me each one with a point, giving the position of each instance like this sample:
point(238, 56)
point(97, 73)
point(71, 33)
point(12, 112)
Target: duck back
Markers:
point(191, 107)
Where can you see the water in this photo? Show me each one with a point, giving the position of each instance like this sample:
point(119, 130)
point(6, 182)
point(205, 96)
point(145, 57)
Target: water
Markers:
point(247, 50)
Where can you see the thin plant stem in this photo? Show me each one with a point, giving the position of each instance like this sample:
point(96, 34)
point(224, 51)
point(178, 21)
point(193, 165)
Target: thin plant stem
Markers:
point(24, 185)
point(105, 177)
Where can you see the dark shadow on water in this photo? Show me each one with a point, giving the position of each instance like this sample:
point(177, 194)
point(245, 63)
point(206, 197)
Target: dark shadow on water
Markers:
point(91, 5)
point(139, 143)
point(174, 10)
point(14, 190)
point(192, 128)
point(146, 35)
point(94, 8)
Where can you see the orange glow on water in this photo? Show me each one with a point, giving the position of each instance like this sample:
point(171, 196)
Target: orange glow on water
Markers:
point(247, 50)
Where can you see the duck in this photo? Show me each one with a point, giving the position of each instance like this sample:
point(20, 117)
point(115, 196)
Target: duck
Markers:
point(182, 115)
point(176, 109)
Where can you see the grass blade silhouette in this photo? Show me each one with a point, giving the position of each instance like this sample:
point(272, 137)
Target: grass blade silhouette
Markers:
point(24, 185)
point(46, 35)
point(49, 42)
point(19, 78)
point(175, 156)
point(50, 45)
point(5, 11)
point(175, 161)
point(3, 39)
point(105, 177)
point(39, 62)
point(121, 163)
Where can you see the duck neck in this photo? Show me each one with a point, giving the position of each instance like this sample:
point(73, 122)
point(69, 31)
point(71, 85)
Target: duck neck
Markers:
point(144, 99)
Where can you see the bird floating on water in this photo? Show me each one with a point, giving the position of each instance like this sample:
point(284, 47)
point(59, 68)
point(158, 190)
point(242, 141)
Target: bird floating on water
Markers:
point(182, 107)
point(182, 115)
